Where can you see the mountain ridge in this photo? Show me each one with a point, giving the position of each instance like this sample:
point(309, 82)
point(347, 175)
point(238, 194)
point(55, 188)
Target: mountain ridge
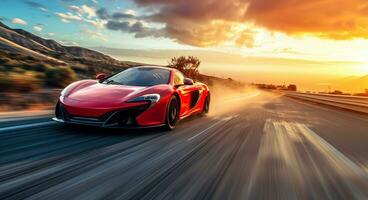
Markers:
point(353, 84)
point(22, 48)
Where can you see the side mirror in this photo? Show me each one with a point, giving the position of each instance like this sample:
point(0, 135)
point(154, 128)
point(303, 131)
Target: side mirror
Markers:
point(188, 81)
point(101, 77)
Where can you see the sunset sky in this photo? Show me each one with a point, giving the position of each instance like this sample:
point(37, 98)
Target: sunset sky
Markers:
point(285, 37)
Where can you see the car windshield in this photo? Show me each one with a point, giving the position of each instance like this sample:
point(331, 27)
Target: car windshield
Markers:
point(140, 77)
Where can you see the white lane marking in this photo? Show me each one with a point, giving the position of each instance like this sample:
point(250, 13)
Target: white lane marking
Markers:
point(335, 155)
point(13, 128)
point(287, 143)
point(348, 170)
point(200, 133)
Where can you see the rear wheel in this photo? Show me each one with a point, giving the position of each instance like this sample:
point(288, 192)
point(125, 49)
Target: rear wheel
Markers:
point(172, 113)
point(206, 106)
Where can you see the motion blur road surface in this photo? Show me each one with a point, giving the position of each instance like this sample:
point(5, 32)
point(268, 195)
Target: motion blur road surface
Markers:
point(259, 146)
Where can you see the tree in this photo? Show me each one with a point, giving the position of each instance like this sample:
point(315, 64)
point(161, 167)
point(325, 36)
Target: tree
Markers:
point(189, 66)
point(292, 87)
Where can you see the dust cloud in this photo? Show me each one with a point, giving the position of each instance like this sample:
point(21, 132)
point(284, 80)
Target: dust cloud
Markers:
point(226, 99)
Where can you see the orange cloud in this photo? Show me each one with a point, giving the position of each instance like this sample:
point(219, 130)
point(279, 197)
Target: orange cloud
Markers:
point(336, 19)
point(198, 23)
point(210, 23)
point(245, 39)
point(210, 34)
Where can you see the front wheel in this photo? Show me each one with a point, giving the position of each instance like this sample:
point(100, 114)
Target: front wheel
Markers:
point(172, 113)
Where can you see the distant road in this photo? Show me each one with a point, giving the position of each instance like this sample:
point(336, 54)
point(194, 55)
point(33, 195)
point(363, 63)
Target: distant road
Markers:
point(352, 103)
point(256, 146)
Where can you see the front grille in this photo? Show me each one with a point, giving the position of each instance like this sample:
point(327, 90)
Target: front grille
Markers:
point(119, 118)
point(87, 119)
point(126, 117)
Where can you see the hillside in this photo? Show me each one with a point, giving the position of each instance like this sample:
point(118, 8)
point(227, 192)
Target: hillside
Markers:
point(21, 49)
point(352, 84)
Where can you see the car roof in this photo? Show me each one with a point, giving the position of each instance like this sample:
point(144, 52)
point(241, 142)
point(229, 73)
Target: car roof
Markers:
point(155, 67)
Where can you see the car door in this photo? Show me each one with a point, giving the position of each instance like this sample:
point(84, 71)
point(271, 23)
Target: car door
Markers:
point(185, 92)
point(190, 95)
point(195, 95)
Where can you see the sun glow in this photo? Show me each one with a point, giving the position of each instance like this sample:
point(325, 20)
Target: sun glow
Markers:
point(363, 69)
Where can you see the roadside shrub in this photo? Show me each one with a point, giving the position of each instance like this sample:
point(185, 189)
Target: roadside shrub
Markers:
point(19, 70)
point(292, 87)
point(4, 82)
point(31, 58)
point(36, 67)
point(337, 92)
point(2, 69)
point(59, 76)
point(40, 75)
point(80, 69)
point(24, 82)
point(14, 82)
point(40, 67)
point(3, 61)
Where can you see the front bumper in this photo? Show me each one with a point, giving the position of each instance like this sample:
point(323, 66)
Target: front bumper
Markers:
point(124, 118)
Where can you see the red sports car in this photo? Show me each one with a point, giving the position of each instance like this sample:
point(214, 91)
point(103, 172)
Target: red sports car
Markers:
point(146, 96)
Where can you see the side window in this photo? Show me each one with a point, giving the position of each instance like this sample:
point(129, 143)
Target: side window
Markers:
point(178, 78)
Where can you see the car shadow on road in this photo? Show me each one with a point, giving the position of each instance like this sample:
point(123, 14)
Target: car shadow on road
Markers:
point(96, 131)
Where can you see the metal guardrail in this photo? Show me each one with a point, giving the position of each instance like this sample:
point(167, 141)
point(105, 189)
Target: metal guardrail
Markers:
point(353, 103)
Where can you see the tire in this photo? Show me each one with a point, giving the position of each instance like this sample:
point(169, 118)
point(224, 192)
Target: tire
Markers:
point(206, 106)
point(172, 113)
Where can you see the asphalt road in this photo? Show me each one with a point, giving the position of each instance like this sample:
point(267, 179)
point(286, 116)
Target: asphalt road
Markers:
point(260, 146)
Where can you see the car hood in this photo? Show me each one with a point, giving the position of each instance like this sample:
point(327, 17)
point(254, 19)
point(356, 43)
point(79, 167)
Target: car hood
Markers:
point(105, 93)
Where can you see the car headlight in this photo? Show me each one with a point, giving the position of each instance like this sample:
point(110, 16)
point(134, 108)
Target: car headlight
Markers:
point(153, 98)
point(63, 92)
point(66, 90)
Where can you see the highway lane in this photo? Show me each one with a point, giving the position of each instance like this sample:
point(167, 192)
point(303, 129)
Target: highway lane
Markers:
point(257, 146)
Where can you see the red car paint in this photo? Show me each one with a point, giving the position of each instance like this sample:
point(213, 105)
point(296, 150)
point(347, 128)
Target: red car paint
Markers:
point(92, 99)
